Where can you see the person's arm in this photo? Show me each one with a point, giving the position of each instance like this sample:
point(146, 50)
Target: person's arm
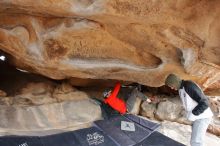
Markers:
point(116, 90)
point(181, 94)
point(196, 94)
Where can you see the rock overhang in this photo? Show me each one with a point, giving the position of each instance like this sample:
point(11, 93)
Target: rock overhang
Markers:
point(137, 41)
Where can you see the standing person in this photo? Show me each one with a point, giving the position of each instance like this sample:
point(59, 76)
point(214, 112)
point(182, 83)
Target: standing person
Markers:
point(196, 105)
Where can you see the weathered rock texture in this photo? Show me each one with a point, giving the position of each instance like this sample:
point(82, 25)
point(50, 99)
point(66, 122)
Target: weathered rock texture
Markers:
point(171, 109)
point(48, 118)
point(45, 108)
point(139, 40)
point(2, 93)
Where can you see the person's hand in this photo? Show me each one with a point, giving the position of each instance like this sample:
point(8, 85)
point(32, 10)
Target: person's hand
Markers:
point(107, 93)
point(195, 112)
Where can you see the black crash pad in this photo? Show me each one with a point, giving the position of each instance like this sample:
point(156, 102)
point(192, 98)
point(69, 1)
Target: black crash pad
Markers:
point(20, 141)
point(112, 127)
point(158, 139)
point(104, 133)
point(152, 126)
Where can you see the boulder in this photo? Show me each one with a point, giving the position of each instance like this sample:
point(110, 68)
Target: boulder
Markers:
point(165, 108)
point(148, 109)
point(172, 110)
point(134, 101)
point(138, 41)
point(168, 111)
point(48, 118)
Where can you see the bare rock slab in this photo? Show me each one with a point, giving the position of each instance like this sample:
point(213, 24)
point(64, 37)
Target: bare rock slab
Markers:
point(49, 118)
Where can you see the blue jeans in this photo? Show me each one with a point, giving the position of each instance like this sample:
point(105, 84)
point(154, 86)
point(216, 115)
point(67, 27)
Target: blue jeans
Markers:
point(199, 128)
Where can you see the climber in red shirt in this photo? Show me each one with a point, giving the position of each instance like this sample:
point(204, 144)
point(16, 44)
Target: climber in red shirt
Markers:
point(115, 102)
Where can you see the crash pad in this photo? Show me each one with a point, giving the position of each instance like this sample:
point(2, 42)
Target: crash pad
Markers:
point(127, 130)
point(143, 122)
point(158, 139)
point(112, 127)
point(85, 137)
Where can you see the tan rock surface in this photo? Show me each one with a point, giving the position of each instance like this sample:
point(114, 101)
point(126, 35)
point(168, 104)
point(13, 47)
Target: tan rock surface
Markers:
point(35, 94)
point(48, 118)
point(42, 93)
point(3, 93)
point(66, 92)
point(172, 109)
point(41, 108)
point(139, 41)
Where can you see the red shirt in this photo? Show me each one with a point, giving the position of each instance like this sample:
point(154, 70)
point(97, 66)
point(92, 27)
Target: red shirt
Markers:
point(115, 102)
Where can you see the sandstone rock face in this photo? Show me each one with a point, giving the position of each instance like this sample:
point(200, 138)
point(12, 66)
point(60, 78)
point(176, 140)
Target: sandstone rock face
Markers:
point(139, 41)
point(172, 109)
point(214, 127)
point(215, 105)
point(35, 94)
point(2, 93)
point(148, 110)
point(41, 108)
point(66, 92)
point(48, 118)
point(169, 111)
point(44, 93)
